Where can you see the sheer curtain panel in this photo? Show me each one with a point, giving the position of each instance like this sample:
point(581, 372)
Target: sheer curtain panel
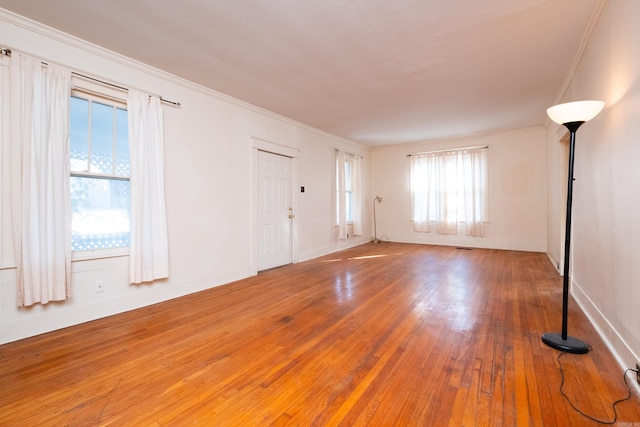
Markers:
point(449, 188)
point(475, 191)
point(149, 251)
point(341, 194)
point(420, 181)
point(356, 188)
point(41, 210)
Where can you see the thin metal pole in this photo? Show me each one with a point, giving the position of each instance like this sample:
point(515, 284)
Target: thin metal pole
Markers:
point(7, 52)
point(563, 341)
point(567, 237)
point(452, 150)
point(375, 229)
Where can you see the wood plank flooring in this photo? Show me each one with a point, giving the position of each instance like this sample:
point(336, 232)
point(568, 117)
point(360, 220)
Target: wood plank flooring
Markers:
point(379, 335)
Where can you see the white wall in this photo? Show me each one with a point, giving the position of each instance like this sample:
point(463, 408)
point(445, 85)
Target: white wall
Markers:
point(557, 161)
point(606, 231)
point(210, 189)
point(517, 191)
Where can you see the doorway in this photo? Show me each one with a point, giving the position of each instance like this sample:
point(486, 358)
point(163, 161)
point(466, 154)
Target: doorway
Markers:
point(275, 210)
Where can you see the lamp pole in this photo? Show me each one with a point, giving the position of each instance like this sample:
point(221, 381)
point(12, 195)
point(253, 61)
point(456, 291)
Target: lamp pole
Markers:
point(375, 231)
point(572, 115)
point(563, 341)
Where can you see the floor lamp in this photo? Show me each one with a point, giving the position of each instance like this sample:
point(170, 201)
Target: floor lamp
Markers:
point(375, 231)
point(571, 115)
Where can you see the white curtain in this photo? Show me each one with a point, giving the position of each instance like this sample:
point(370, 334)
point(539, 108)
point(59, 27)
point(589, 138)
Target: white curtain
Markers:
point(356, 188)
point(41, 203)
point(447, 173)
point(341, 192)
point(149, 250)
point(449, 188)
point(420, 167)
point(475, 191)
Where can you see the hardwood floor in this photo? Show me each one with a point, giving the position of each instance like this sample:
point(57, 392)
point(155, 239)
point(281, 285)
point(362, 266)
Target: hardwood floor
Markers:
point(380, 335)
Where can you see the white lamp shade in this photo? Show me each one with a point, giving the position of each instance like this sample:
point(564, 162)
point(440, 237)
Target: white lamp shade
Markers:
point(579, 111)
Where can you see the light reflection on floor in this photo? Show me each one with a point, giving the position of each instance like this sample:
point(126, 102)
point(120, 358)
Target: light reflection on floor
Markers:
point(368, 257)
point(343, 285)
point(344, 288)
point(360, 257)
point(449, 296)
point(455, 296)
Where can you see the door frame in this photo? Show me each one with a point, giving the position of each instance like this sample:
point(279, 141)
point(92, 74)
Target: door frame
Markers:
point(260, 144)
point(564, 175)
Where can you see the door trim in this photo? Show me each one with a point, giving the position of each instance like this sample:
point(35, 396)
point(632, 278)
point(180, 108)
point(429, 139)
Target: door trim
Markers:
point(260, 144)
point(274, 147)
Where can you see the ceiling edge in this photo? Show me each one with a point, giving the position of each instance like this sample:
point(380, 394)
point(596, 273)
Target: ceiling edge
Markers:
point(593, 20)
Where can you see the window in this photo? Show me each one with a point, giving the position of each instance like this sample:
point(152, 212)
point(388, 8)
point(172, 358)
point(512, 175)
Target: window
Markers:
point(99, 163)
point(348, 194)
point(449, 188)
point(348, 189)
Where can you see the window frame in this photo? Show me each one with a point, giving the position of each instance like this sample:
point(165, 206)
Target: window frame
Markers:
point(456, 185)
point(97, 93)
point(348, 184)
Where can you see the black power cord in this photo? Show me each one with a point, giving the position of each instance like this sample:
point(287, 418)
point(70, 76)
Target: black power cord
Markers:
point(613, 406)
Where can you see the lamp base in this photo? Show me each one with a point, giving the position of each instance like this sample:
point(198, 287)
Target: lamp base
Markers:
point(570, 345)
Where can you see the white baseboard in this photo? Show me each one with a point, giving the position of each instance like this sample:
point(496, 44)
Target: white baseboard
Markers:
point(621, 351)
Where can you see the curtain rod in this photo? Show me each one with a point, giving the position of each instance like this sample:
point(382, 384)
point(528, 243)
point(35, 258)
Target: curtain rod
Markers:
point(350, 154)
point(7, 52)
point(448, 149)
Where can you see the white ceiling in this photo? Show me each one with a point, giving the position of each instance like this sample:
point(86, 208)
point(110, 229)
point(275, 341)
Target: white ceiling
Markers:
point(374, 71)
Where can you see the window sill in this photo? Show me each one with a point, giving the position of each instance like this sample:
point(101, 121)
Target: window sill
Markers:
point(460, 223)
point(86, 256)
point(99, 254)
point(348, 223)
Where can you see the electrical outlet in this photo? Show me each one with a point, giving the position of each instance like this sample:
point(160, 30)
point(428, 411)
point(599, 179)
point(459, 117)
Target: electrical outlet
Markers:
point(100, 285)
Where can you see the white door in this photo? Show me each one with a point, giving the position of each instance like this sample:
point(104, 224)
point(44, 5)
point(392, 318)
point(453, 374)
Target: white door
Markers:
point(275, 211)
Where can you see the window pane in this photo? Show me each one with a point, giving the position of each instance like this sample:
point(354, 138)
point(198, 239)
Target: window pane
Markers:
point(122, 143)
point(348, 188)
point(79, 116)
point(347, 176)
point(337, 192)
point(100, 213)
point(102, 138)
